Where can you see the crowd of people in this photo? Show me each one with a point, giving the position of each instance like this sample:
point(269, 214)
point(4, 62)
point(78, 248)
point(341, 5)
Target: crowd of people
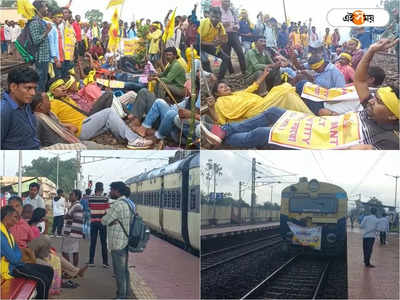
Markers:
point(27, 251)
point(142, 101)
point(277, 62)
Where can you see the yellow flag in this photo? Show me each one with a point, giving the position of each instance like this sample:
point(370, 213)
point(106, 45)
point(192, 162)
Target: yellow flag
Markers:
point(114, 3)
point(113, 32)
point(26, 9)
point(169, 29)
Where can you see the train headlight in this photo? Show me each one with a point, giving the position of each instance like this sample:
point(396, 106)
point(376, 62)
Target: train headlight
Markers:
point(331, 238)
point(313, 185)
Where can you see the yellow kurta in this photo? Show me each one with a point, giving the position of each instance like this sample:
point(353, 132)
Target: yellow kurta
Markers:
point(66, 114)
point(69, 42)
point(243, 105)
point(154, 38)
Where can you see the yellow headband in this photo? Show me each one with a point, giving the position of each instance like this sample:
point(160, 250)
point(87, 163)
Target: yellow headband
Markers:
point(70, 82)
point(56, 84)
point(390, 100)
point(317, 65)
point(346, 55)
point(357, 41)
point(58, 15)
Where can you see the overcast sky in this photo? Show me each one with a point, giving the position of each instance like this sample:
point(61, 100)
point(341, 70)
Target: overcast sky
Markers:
point(106, 171)
point(156, 10)
point(358, 172)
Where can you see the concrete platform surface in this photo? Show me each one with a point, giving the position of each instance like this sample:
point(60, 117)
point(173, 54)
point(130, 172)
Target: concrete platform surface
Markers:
point(381, 282)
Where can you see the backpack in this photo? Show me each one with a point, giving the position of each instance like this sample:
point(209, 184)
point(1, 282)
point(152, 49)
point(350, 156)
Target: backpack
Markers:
point(24, 44)
point(139, 232)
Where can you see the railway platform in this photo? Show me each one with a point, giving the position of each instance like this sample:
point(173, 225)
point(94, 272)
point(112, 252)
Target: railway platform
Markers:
point(233, 230)
point(381, 282)
point(164, 271)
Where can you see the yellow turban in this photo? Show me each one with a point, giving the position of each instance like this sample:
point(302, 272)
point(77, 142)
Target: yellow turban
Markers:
point(346, 55)
point(90, 78)
point(317, 65)
point(70, 82)
point(56, 84)
point(156, 25)
point(390, 100)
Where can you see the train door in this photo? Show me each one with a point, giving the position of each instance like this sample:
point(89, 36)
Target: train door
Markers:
point(161, 210)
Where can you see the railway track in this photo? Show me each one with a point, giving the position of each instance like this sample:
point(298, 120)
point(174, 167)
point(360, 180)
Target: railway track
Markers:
point(8, 67)
point(216, 258)
point(299, 278)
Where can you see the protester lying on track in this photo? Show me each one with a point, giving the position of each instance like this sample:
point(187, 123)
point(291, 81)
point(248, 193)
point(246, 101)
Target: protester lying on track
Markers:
point(86, 127)
point(11, 257)
point(241, 105)
point(18, 124)
point(369, 78)
point(170, 117)
point(379, 126)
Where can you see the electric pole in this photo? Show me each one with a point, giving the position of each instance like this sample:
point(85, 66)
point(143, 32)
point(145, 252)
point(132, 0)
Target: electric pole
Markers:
point(395, 189)
point(78, 177)
point(240, 201)
point(253, 189)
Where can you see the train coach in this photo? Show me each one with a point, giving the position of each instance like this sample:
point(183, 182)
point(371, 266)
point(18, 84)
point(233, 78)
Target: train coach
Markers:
point(168, 199)
point(313, 217)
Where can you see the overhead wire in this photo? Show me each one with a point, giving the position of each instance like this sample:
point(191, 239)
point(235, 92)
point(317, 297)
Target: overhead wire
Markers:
point(319, 165)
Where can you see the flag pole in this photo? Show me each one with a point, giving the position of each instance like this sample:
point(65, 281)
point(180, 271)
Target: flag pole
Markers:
point(284, 10)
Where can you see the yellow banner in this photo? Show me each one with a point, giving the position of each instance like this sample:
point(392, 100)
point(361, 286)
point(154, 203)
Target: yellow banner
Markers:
point(317, 93)
point(114, 84)
point(131, 47)
point(301, 131)
point(114, 3)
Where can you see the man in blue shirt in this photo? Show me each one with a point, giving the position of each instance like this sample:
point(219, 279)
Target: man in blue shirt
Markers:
point(18, 124)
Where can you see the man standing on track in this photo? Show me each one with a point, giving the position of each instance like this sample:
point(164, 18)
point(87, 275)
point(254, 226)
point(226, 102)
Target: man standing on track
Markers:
point(369, 225)
point(98, 205)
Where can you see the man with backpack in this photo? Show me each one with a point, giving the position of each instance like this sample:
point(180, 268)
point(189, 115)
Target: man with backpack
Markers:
point(39, 31)
point(118, 219)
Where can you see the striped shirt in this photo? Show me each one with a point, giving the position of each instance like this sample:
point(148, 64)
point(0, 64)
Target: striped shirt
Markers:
point(382, 137)
point(73, 221)
point(98, 206)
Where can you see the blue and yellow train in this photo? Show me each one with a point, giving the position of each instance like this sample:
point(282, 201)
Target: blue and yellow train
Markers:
point(313, 217)
point(168, 200)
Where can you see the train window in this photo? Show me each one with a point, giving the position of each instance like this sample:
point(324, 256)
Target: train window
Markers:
point(192, 199)
point(173, 204)
point(169, 199)
point(178, 199)
point(152, 199)
point(165, 199)
point(157, 199)
point(320, 204)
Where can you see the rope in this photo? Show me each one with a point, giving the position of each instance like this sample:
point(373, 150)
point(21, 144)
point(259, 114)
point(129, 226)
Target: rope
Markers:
point(192, 100)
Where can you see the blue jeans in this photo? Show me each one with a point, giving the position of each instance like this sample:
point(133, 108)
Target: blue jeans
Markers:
point(121, 271)
point(4, 47)
point(253, 132)
point(158, 110)
point(42, 69)
point(167, 124)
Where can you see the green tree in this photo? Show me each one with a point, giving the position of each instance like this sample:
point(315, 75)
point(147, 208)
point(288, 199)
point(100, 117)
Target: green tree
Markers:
point(47, 167)
point(94, 15)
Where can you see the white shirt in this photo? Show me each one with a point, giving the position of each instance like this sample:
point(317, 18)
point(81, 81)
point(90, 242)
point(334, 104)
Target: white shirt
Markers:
point(35, 202)
point(7, 33)
point(369, 225)
point(383, 224)
point(58, 207)
point(14, 33)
